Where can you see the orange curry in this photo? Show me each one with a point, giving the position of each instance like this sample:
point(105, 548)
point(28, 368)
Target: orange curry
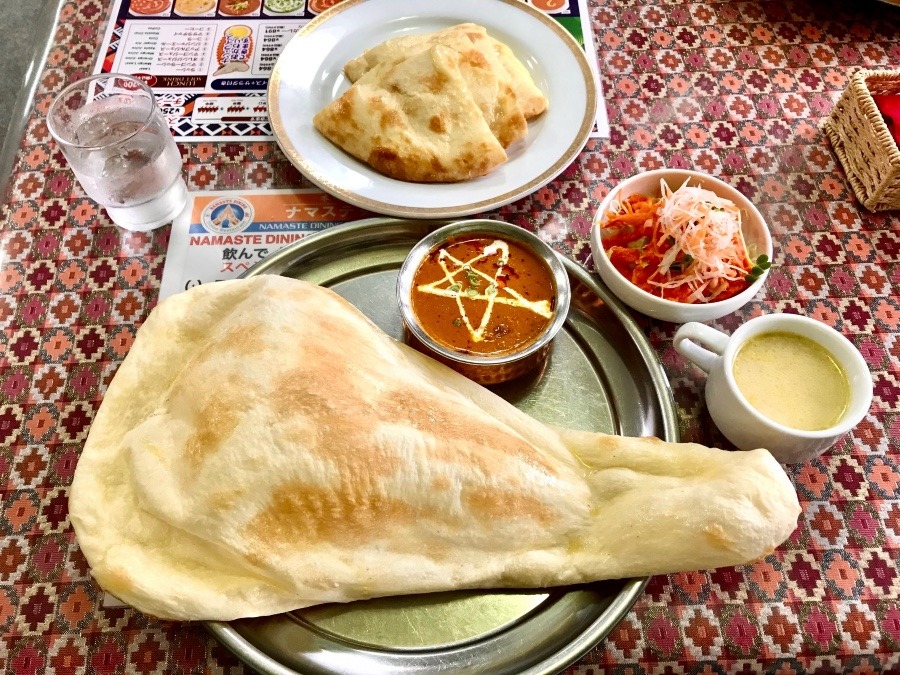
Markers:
point(483, 295)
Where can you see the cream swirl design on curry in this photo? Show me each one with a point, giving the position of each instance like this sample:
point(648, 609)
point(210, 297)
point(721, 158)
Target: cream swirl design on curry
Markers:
point(483, 295)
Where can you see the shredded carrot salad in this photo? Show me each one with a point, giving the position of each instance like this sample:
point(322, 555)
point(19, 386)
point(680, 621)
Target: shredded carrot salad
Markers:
point(684, 246)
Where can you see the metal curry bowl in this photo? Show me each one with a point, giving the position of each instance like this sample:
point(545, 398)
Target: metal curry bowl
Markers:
point(482, 368)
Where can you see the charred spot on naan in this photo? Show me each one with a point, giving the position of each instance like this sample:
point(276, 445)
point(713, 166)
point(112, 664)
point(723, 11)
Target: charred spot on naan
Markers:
point(343, 125)
point(390, 119)
point(243, 339)
point(426, 414)
point(491, 504)
point(386, 161)
point(300, 513)
point(515, 126)
point(226, 500)
point(215, 422)
point(436, 83)
point(388, 115)
point(425, 167)
point(474, 58)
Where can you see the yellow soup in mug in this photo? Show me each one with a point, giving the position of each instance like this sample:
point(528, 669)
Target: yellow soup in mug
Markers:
point(792, 380)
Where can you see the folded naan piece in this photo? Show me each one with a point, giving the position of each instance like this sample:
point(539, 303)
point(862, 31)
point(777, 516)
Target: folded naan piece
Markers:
point(401, 47)
point(414, 120)
point(510, 70)
point(531, 98)
point(488, 81)
point(265, 447)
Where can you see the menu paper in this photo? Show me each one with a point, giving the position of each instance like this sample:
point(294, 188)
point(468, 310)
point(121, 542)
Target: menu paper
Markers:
point(221, 235)
point(208, 61)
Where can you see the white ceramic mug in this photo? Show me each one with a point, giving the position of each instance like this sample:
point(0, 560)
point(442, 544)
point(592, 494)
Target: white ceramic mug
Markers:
point(740, 422)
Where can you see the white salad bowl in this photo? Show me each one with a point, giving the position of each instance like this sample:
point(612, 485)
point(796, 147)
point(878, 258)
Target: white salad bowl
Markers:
point(753, 226)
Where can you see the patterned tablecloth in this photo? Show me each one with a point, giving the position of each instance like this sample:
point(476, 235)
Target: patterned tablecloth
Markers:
point(736, 89)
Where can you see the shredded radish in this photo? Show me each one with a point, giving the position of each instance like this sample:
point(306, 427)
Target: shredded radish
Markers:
point(707, 228)
point(685, 245)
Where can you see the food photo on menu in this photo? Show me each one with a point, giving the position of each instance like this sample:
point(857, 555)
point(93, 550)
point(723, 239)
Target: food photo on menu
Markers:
point(489, 336)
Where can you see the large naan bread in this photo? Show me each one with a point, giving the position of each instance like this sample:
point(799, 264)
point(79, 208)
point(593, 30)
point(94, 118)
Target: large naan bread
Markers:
point(414, 120)
point(501, 58)
point(264, 447)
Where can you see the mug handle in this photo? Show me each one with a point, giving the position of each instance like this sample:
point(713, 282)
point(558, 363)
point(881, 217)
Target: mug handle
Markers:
point(687, 337)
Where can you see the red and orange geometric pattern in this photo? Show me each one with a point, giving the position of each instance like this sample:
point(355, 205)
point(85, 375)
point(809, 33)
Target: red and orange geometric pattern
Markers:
point(736, 89)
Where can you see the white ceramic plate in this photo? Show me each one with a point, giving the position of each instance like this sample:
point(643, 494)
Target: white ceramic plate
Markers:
point(308, 75)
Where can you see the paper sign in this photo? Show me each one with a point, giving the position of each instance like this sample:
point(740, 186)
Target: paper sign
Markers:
point(221, 235)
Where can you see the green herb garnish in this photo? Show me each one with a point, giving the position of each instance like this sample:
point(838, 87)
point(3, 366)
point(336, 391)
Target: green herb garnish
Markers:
point(638, 243)
point(455, 288)
point(490, 290)
point(761, 265)
point(471, 292)
point(683, 264)
point(457, 322)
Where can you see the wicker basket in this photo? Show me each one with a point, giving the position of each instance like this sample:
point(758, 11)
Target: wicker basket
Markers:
point(862, 141)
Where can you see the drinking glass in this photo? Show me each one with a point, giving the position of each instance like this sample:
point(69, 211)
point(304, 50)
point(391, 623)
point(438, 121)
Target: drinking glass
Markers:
point(120, 148)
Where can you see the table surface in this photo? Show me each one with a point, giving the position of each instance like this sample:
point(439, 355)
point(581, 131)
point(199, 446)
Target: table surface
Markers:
point(736, 89)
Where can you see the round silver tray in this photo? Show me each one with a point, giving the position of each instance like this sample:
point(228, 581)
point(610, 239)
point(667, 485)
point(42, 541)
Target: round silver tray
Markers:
point(602, 375)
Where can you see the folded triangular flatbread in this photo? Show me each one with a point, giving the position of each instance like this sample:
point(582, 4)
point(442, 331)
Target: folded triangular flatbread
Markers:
point(488, 80)
point(530, 98)
point(414, 120)
point(510, 70)
point(265, 447)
